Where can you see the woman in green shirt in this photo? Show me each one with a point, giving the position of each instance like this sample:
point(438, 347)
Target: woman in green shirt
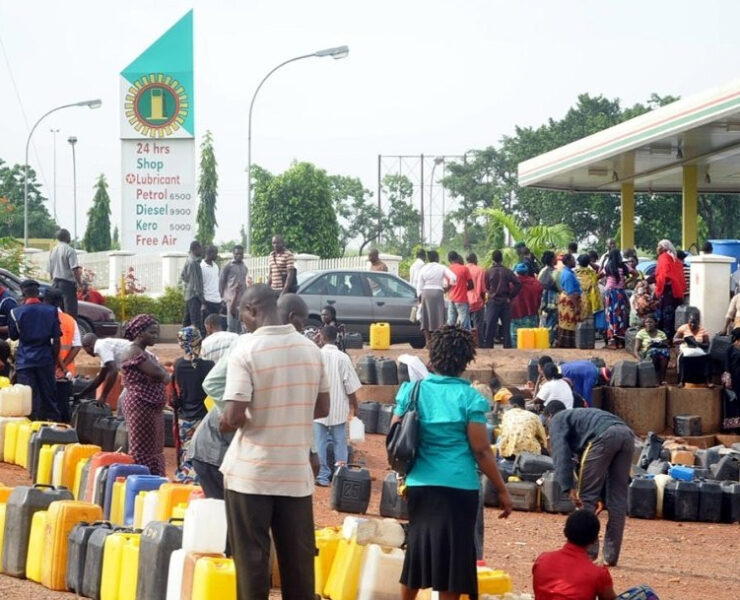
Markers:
point(652, 344)
point(442, 486)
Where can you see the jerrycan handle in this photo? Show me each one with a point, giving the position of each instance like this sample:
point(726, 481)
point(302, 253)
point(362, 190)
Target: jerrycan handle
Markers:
point(176, 519)
point(355, 466)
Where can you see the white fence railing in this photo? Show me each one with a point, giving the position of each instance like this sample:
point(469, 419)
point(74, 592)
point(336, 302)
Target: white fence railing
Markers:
point(155, 272)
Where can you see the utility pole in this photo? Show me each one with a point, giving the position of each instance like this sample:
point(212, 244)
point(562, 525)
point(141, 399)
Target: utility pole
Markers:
point(54, 201)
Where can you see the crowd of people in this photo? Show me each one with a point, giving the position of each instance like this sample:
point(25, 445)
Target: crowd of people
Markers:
point(281, 396)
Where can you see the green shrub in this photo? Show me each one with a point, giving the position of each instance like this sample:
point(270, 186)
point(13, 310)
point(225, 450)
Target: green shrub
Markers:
point(167, 309)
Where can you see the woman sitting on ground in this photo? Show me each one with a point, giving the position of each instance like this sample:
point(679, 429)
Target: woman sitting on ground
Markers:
point(442, 485)
point(652, 344)
point(328, 317)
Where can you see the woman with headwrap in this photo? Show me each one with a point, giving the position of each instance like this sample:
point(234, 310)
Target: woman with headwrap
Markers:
point(670, 286)
point(525, 305)
point(617, 303)
point(188, 397)
point(145, 381)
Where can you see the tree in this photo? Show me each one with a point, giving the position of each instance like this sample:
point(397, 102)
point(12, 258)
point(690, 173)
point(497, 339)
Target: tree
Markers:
point(97, 233)
point(207, 192)
point(359, 218)
point(40, 223)
point(403, 226)
point(298, 205)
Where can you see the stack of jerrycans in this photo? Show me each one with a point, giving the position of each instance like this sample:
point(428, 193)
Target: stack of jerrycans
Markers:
point(91, 582)
point(23, 503)
point(73, 454)
point(79, 539)
point(8, 436)
point(120, 565)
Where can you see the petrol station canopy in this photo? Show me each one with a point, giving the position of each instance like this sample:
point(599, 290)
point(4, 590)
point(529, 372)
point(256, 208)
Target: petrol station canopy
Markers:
point(690, 146)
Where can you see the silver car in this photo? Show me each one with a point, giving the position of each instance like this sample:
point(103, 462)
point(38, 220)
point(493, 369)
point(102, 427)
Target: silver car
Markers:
point(360, 299)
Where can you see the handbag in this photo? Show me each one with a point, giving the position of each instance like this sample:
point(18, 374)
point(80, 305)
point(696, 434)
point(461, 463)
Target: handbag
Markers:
point(403, 437)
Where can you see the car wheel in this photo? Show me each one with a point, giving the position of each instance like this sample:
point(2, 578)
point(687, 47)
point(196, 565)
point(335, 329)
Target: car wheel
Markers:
point(417, 343)
point(85, 326)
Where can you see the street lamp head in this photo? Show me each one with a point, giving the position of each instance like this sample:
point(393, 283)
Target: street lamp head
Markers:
point(335, 53)
point(97, 103)
point(72, 140)
point(439, 160)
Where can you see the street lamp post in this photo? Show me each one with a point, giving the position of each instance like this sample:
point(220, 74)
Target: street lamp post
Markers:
point(437, 161)
point(90, 104)
point(54, 202)
point(72, 141)
point(335, 53)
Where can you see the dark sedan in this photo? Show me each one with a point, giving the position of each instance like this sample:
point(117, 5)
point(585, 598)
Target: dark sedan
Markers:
point(91, 318)
point(360, 299)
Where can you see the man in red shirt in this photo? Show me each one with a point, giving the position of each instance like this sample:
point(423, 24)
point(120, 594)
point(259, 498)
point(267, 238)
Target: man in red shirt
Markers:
point(459, 307)
point(90, 295)
point(477, 296)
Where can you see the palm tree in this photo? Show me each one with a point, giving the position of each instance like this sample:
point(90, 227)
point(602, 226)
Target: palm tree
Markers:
point(538, 238)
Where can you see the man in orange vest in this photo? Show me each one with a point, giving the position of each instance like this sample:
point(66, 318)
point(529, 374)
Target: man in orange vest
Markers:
point(70, 345)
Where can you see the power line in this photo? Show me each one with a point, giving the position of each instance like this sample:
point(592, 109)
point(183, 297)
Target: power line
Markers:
point(23, 112)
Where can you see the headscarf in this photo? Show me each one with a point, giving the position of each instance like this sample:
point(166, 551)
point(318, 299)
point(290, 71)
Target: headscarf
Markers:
point(189, 339)
point(668, 247)
point(521, 269)
point(137, 325)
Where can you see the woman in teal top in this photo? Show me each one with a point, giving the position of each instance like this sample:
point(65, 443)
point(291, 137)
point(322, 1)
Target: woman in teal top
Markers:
point(442, 486)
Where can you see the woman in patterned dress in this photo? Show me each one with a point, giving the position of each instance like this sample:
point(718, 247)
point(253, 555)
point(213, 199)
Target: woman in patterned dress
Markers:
point(617, 303)
point(145, 380)
point(569, 304)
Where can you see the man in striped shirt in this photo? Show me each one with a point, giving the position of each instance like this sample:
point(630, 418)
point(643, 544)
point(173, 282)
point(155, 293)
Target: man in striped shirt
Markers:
point(343, 384)
point(282, 267)
point(275, 386)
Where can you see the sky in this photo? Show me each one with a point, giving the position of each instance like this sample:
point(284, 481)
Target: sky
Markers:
point(422, 76)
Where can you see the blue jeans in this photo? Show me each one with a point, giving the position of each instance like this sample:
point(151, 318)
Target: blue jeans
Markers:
point(461, 310)
point(338, 436)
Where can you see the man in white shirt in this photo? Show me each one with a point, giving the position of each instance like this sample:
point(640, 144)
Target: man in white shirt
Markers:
point(217, 341)
point(209, 268)
point(343, 384)
point(110, 351)
point(421, 257)
point(275, 386)
point(555, 388)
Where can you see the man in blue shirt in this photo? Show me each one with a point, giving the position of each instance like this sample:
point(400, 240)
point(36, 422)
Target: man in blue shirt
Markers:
point(37, 327)
point(7, 303)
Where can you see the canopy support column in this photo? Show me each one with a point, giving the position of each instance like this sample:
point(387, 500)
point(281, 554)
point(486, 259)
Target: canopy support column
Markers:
point(689, 207)
point(627, 223)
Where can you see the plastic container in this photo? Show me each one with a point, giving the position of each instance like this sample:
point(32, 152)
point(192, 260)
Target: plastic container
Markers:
point(149, 509)
point(687, 425)
point(9, 432)
point(554, 500)
point(642, 498)
point(15, 401)
point(78, 487)
point(682, 473)
point(387, 371)
point(681, 501)
point(136, 484)
point(542, 338)
point(524, 495)
point(530, 467)
point(170, 495)
point(646, 375)
point(327, 541)
point(73, 453)
point(118, 497)
point(35, 555)
point(94, 559)
point(344, 576)
point(727, 469)
point(367, 412)
point(624, 374)
point(525, 339)
point(392, 504)
point(385, 414)
point(491, 582)
point(46, 458)
point(79, 539)
point(730, 502)
point(214, 579)
point(129, 568)
point(111, 576)
point(586, 335)
point(204, 529)
point(683, 458)
point(706, 457)
point(660, 483)
point(175, 573)
point(350, 489)
point(380, 336)
point(356, 430)
point(158, 542)
point(366, 370)
point(115, 471)
point(57, 468)
point(24, 435)
point(380, 572)
point(48, 434)
point(710, 502)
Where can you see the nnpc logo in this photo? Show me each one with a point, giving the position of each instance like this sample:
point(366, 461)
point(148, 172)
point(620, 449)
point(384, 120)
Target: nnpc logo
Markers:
point(156, 105)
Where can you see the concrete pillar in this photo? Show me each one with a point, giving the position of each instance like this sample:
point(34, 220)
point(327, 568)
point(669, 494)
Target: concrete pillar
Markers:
point(391, 260)
point(304, 262)
point(172, 264)
point(688, 207)
point(115, 269)
point(627, 219)
point(710, 288)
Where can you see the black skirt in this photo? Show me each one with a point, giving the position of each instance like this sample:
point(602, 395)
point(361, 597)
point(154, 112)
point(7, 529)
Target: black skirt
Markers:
point(440, 552)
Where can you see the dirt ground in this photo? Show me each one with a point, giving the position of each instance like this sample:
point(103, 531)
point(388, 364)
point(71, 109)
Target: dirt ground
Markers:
point(681, 561)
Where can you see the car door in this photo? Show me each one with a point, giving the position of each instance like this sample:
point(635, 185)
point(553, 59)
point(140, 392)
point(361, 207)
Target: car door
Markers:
point(392, 299)
point(348, 293)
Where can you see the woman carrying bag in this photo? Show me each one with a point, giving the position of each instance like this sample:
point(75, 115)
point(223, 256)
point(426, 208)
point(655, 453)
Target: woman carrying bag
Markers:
point(442, 484)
